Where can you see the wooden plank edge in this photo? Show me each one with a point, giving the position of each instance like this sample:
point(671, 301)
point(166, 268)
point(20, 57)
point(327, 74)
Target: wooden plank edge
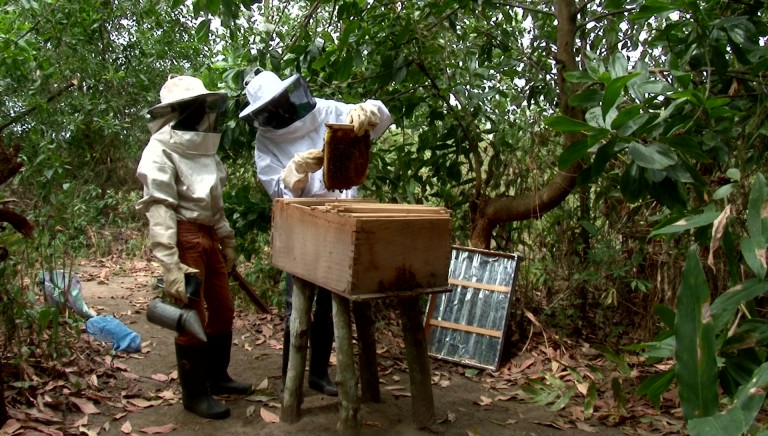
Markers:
point(482, 286)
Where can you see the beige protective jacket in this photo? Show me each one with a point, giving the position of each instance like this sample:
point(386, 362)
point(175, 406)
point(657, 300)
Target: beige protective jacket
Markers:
point(181, 172)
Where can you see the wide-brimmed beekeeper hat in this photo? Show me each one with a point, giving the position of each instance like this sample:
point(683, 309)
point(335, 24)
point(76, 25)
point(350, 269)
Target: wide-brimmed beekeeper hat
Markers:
point(263, 88)
point(178, 90)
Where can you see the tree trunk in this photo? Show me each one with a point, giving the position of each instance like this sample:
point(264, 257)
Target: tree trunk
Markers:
point(492, 212)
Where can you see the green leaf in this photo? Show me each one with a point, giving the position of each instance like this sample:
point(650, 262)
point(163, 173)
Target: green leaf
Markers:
point(753, 250)
point(633, 183)
point(586, 98)
point(696, 368)
point(656, 385)
point(618, 66)
point(613, 91)
point(653, 8)
point(654, 156)
point(580, 77)
point(202, 31)
point(665, 314)
point(757, 195)
point(620, 362)
point(740, 415)
point(344, 68)
point(750, 334)
point(626, 115)
point(562, 123)
point(578, 149)
point(687, 223)
point(724, 307)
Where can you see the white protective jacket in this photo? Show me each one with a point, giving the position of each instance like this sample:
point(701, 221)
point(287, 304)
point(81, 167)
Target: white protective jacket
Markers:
point(181, 171)
point(275, 148)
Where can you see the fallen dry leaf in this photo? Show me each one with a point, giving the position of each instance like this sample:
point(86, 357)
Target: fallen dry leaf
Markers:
point(268, 416)
point(159, 377)
point(10, 427)
point(46, 430)
point(168, 395)
point(484, 401)
point(126, 427)
point(81, 421)
point(85, 406)
point(86, 431)
point(583, 426)
point(263, 385)
point(140, 402)
point(167, 428)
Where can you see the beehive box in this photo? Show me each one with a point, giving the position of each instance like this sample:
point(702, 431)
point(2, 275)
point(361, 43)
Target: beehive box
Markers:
point(360, 247)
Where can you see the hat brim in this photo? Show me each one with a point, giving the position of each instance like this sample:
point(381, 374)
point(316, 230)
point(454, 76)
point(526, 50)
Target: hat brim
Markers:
point(164, 109)
point(256, 106)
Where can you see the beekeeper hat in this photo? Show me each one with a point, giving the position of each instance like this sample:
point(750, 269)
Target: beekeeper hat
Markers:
point(180, 89)
point(263, 88)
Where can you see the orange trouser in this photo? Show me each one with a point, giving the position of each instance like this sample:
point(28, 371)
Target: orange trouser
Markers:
point(199, 249)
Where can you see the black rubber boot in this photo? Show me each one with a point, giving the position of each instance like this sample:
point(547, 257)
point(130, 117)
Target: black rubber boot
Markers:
point(219, 381)
point(320, 344)
point(194, 394)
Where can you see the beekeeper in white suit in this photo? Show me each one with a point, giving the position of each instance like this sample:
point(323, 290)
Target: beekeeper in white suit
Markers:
point(288, 153)
point(189, 233)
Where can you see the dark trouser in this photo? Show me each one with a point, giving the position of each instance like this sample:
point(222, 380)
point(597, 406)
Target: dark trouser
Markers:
point(199, 249)
point(321, 330)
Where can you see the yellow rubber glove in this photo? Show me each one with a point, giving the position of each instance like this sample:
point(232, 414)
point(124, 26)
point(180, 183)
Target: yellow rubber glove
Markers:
point(174, 281)
point(229, 254)
point(364, 116)
point(296, 173)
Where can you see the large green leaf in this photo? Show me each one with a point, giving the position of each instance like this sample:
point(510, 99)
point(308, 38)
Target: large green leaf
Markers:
point(757, 194)
point(687, 223)
point(696, 368)
point(753, 250)
point(724, 307)
point(613, 91)
point(740, 415)
point(562, 123)
point(656, 385)
point(654, 156)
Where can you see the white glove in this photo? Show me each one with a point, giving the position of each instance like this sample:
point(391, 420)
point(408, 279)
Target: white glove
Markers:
point(364, 116)
point(229, 254)
point(296, 173)
point(174, 281)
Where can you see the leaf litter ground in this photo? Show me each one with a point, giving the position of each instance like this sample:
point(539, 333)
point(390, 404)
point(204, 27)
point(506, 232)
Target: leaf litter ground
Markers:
point(550, 387)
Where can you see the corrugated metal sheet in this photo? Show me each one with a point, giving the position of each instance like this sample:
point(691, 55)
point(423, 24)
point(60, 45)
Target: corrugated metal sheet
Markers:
point(473, 319)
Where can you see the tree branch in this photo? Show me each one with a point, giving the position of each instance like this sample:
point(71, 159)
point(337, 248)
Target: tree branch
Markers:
point(603, 15)
point(16, 118)
point(526, 8)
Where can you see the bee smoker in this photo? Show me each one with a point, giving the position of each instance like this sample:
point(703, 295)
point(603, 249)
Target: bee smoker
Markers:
point(179, 319)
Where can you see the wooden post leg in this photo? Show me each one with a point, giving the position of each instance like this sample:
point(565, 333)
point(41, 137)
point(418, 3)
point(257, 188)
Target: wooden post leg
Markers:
point(293, 394)
point(350, 420)
point(366, 340)
point(423, 406)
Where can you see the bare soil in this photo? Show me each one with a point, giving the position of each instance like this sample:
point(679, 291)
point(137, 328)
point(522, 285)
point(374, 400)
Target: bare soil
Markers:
point(144, 395)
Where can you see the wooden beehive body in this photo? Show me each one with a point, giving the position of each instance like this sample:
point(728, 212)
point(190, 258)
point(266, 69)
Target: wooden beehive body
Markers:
point(360, 247)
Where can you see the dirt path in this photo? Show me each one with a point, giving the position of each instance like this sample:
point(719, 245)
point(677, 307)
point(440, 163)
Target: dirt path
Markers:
point(150, 391)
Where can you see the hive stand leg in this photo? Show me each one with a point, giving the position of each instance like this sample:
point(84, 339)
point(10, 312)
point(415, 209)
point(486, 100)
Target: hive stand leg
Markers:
point(366, 341)
point(423, 406)
point(293, 394)
point(350, 421)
